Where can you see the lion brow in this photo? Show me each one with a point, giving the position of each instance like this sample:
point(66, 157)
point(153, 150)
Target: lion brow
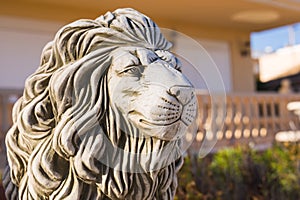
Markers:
point(146, 56)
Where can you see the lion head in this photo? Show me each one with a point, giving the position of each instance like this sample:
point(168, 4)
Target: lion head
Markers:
point(146, 86)
point(103, 116)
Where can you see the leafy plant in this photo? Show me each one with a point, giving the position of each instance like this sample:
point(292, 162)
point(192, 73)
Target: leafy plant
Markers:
point(242, 173)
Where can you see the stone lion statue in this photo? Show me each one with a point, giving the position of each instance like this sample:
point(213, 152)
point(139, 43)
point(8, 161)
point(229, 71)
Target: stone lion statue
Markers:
point(104, 115)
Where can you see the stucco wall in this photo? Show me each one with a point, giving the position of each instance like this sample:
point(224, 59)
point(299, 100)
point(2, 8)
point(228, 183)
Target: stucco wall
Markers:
point(21, 44)
point(22, 41)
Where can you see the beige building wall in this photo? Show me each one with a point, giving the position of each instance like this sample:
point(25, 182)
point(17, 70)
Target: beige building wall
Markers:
point(21, 44)
point(241, 66)
point(22, 41)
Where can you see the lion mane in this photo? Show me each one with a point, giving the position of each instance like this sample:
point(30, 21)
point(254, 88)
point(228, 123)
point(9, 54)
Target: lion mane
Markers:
point(66, 141)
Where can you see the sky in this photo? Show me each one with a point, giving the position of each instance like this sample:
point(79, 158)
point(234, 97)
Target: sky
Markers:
point(270, 40)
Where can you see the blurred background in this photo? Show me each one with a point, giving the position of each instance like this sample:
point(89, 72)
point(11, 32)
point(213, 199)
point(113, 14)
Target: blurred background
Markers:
point(255, 45)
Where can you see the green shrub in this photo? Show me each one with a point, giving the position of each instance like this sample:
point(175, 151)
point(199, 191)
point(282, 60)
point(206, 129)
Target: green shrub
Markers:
point(241, 173)
point(280, 177)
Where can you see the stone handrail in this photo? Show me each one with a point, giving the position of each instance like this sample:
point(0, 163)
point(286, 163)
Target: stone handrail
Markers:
point(7, 100)
point(250, 119)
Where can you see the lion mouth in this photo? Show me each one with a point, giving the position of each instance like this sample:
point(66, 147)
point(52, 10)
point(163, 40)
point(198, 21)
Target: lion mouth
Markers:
point(165, 124)
point(147, 122)
point(139, 118)
point(186, 116)
point(165, 131)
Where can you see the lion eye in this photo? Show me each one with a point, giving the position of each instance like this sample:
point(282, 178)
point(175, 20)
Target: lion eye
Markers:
point(134, 70)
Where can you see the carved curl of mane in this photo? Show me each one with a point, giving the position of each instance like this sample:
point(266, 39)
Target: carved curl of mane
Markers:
point(54, 147)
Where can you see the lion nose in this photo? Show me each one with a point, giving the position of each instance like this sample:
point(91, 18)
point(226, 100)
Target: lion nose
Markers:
point(182, 93)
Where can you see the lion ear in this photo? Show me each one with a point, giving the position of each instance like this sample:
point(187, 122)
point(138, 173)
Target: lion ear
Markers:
point(106, 19)
point(170, 58)
point(178, 65)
